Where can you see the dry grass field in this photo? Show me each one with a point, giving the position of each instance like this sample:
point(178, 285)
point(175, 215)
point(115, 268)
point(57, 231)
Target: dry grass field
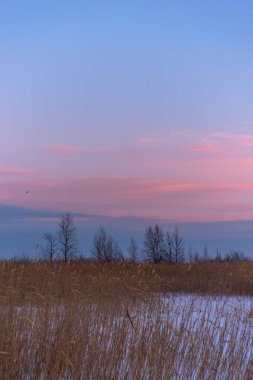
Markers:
point(88, 320)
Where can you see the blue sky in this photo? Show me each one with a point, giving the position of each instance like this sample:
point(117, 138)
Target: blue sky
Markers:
point(141, 109)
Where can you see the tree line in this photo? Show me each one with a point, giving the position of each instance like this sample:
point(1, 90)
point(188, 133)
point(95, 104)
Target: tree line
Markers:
point(158, 246)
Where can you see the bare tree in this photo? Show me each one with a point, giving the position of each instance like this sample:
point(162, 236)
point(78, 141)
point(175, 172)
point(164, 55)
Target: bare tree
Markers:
point(235, 256)
point(49, 251)
point(154, 244)
point(196, 257)
point(67, 237)
point(105, 248)
point(206, 255)
point(178, 246)
point(218, 256)
point(169, 248)
point(99, 245)
point(190, 255)
point(113, 251)
point(133, 250)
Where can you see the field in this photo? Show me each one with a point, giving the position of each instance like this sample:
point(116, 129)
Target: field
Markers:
point(87, 320)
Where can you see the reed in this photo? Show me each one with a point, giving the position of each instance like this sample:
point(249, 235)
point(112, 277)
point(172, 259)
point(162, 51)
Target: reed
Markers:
point(88, 320)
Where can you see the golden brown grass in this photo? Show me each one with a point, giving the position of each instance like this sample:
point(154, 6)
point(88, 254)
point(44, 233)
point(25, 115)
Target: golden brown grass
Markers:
point(87, 320)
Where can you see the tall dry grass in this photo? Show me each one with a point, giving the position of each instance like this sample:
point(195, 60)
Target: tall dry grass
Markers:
point(87, 320)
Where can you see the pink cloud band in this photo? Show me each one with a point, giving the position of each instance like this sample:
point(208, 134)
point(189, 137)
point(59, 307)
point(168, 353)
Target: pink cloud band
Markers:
point(15, 171)
point(121, 196)
point(63, 150)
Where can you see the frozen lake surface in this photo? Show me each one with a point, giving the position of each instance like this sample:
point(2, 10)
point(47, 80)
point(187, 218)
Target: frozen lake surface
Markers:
point(160, 337)
point(206, 337)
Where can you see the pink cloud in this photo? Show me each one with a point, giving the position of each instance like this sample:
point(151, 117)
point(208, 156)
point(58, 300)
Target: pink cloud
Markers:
point(209, 147)
point(199, 142)
point(121, 196)
point(246, 141)
point(63, 150)
point(233, 140)
point(145, 140)
point(15, 171)
point(183, 177)
point(54, 220)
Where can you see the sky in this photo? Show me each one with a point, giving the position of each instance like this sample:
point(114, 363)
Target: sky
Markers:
point(126, 110)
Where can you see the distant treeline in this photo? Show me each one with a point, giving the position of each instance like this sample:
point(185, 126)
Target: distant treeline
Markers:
point(158, 246)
